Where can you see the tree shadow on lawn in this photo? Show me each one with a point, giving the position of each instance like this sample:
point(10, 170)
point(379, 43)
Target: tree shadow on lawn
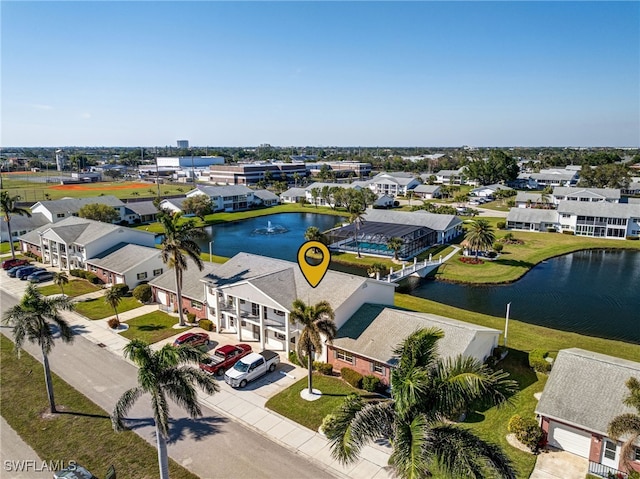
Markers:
point(150, 327)
point(84, 414)
point(183, 428)
point(514, 262)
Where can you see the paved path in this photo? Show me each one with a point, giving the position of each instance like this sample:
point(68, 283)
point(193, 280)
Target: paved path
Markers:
point(17, 459)
point(246, 407)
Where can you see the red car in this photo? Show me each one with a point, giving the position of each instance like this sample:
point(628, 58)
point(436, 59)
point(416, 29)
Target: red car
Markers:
point(10, 263)
point(224, 358)
point(192, 339)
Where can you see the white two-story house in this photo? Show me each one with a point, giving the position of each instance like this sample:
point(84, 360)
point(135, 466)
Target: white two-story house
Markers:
point(226, 198)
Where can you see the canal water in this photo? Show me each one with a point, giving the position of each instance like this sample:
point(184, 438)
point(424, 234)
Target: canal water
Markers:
point(595, 293)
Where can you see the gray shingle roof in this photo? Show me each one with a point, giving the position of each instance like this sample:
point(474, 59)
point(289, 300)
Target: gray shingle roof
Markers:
point(283, 281)
point(74, 204)
point(523, 197)
point(123, 257)
point(375, 331)
point(265, 195)
point(586, 389)
point(426, 188)
point(192, 286)
point(417, 218)
point(294, 192)
point(321, 185)
point(142, 208)
point(532, 215)
point(586, 192)
point(600, 208)
point(228, 190)
point(20, 223)
point(551, 174)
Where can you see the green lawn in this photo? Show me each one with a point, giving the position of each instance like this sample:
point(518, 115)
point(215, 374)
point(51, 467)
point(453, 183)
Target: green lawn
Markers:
point(310, 414)
point(5, 247)
point(515, 260)
point(98, 308)
point(152, 327)
point(74, 288)
point(83, 434)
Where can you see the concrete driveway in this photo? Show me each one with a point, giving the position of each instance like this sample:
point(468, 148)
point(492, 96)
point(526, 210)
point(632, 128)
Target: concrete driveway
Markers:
point(557, 464)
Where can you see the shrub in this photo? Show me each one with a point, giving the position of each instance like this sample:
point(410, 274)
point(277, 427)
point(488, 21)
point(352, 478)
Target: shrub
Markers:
point(567, 232)
point(491, 361)
point(527, 431)
point(191, 317)
point(323, 368)
point(143, 293)
point(123, 289)
point(498, 351)
point(113, 323)
point(538, 362)
point(551, 229)
point(352, 377)
point(371, 383)
point(471, 260)
point(501, 225)
point(498, 247)
point(293, 358)
point(632, 238)
point(89, 276)
point(206, 324)
point(78, 273)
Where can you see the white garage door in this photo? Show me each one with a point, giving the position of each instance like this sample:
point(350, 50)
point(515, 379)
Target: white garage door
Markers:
point(569, 439)
point(162, 298)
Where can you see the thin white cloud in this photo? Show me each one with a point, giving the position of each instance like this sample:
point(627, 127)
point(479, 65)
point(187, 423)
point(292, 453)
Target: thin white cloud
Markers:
point(85, 116)
point(38, 106)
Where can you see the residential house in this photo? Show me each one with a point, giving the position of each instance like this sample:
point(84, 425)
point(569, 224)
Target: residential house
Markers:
point(251, 296)
point(384, 201)
point(226, 198)
point(533, 219)
point(451, 177)
point(366, 342)
point(563, 193)
point(293, 195)
point(265, 198)
point(584, 392)
point(57, 210)
point(194, 298)
point(601, 219)
point(524, 199)
point(488, 191)
point(632, 190)
point(427, 192)
point(554, 177)
point(21, 225)
point(69, 243)
point(128, 264)
point(173, 205)
point(141, 212)
point(319, 187)
point(393, 184)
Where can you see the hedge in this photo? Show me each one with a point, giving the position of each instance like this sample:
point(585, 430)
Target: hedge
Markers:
point(538, 362)
point(354, 378)
point(527, 431)
point(143, 293)
point(371, 383)
point(206, 324)
point(323, 368)
point(122, 288)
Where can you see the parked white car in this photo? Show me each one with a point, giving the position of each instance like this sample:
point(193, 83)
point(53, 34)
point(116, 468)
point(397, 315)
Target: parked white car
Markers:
point(251, 367)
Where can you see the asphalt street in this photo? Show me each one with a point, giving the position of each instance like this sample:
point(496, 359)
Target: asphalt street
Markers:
point(211, 446)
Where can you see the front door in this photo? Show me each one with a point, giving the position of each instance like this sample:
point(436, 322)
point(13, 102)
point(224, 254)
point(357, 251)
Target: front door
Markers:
point(610, 453)
point(256, 332)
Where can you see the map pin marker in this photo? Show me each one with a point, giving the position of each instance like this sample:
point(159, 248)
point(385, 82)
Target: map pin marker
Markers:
point(313, 273)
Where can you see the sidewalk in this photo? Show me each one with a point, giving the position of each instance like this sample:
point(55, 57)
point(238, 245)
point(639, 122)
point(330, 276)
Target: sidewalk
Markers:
point(246, 406)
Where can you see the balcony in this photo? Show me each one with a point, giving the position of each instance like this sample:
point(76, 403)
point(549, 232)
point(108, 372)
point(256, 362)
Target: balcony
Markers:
point(606, 472)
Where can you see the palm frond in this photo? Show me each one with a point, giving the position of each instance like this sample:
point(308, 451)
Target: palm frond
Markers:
point(409, 458)
point(419, 349)
point(410, 388)
point(123, 405)
point(160, 409)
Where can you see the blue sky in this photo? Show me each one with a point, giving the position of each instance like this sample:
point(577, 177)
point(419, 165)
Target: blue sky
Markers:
point(321, 73)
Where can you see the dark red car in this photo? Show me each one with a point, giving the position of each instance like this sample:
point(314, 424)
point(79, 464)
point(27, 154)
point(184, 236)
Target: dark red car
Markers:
point(192, 339)
point(224, 358)
point(10, 263)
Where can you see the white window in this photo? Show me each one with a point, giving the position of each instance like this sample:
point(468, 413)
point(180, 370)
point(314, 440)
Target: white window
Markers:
point(377, 368)
point(344, 356)
point(279, 336)
point(142, 276)
point(610, 450)
point(278, 312)
point(196, 305)
point(157, 272)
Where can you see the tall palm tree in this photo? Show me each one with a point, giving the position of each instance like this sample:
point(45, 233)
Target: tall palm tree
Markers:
point(9, 207)
point(627, 425)
point(34, 319)
point(395, 245)
point(425, 392)
point(356, 217)
point(162, 373)
point(60, 278)
point(179, 245)
point(113, 297)
point(318, 321)
point(480, 235)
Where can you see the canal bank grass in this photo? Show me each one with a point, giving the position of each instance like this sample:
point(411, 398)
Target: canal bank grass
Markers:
point(82, 432)
point(517, 259)
point(524, 336)
point(227, 217)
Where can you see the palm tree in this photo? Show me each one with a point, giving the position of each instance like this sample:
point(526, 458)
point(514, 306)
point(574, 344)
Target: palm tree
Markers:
point(9, 207)
point(426, 391)
point(480, 235)
point(376, 268)
point(410, 194)
point(177, 246)
point(33, 319)
point(162, 373)
point(628, 424)
point(356, 217)
point(113, 297)
point(60, 279)
point(317, 321)
point(395, 244)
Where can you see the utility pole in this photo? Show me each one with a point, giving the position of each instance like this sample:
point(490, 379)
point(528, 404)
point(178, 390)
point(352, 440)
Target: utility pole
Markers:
point(506, 325)
point(157, 174)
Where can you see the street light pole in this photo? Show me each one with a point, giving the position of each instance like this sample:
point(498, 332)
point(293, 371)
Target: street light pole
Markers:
point(210, 251)
point(506, 325)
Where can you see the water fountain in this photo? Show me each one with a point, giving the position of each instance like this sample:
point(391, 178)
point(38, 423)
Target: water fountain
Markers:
point(271, 229)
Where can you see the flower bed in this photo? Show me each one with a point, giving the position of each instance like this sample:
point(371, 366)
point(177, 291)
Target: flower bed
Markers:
point(470, 260)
